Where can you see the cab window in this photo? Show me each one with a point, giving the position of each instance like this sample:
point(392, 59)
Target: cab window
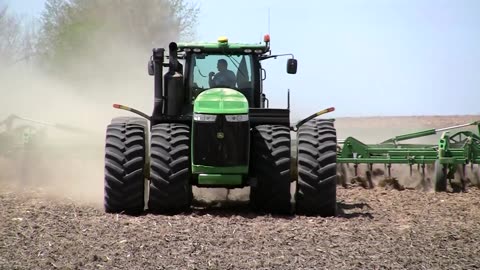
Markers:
point(238, 73)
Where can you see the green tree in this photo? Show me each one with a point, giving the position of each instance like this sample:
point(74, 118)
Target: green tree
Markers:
point(10, 37)
point(98, 30)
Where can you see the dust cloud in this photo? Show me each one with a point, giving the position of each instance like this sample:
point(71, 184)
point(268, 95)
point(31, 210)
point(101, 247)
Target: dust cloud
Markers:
point(69, 162)
point(74, 109)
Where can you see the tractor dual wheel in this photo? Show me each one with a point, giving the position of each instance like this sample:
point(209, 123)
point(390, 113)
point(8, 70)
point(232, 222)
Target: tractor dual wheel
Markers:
point(170, 187)
point(317, 168)
point(125, 152)
point(271, 166)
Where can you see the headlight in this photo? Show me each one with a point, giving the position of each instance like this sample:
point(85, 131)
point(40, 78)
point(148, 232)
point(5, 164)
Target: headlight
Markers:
point(204, 117)
point(237, 118)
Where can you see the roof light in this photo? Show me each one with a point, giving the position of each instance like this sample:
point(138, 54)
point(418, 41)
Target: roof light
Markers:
point(248, 50)
point(222, 39)
point(266, 38)
point(197, 50)
point(258, 51)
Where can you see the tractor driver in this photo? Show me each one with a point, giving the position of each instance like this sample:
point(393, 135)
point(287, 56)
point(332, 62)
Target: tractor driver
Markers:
point(224, 77)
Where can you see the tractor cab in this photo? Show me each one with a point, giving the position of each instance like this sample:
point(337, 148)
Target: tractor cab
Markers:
point(194, 68)
point(210, 70)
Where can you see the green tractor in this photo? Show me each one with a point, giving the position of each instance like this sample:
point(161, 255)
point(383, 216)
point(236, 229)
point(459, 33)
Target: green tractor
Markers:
point(216, 131)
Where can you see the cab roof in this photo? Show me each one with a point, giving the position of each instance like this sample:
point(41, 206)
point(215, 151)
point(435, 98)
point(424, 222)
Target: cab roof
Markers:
point(223, 46)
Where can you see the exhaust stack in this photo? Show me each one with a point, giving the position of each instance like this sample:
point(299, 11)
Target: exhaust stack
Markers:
point(158, 105)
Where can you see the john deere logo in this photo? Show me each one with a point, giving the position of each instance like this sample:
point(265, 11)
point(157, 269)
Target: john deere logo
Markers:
point(220, 135)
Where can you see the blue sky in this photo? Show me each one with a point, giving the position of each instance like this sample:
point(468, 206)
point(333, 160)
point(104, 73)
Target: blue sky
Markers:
point(365, 57)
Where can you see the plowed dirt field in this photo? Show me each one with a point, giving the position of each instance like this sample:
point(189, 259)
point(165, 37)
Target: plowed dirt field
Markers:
point(58, 223)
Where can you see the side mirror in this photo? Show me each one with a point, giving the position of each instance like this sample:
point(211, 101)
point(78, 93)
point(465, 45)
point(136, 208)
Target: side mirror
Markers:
point(151, 68)
point(292, 66)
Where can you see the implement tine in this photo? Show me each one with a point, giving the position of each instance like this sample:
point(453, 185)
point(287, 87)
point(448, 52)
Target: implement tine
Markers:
point(369, 175)
point(369, 179)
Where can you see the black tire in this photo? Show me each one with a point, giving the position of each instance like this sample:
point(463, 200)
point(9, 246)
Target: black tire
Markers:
point(130, 120)
point(271, 166)
point(170, 187)
point(440, 177)
point(317, 169)
point(124, 182)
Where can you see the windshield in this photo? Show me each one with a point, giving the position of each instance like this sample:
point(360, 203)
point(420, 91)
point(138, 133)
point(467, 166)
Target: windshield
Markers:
point(213, 70)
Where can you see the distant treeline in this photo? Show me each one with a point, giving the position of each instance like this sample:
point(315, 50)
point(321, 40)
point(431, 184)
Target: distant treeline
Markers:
point(68, 32)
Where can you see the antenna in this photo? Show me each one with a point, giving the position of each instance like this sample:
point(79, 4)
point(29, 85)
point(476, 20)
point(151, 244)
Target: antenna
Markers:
point(268, 20)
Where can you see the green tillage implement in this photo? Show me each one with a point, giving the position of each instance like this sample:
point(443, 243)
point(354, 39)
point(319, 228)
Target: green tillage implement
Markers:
point(19, 134)
point(452, 152)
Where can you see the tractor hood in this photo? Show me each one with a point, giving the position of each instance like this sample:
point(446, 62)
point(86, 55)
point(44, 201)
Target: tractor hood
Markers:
point(221, 101)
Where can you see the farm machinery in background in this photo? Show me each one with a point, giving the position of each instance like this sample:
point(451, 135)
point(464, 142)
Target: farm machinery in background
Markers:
point(453, 155)
point(29, 145)
point(18, 134)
